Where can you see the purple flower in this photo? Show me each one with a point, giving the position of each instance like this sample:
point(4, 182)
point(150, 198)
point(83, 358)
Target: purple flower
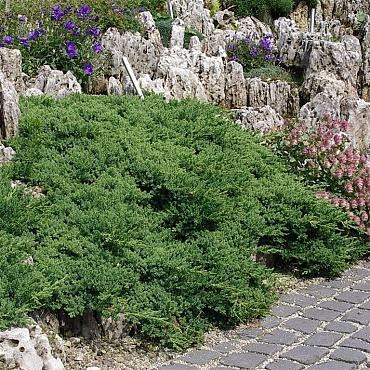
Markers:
point(141, 9)
point(234, 58)
point(57, 13)
point(24, 42)
point(97, 48)
point(71, 49)
point(120, 10)
point(8, 39)
point(253, 52)
point(84, 10)
point(95, 32)
point(69, 25)
point(232, 47)
point(88, 69)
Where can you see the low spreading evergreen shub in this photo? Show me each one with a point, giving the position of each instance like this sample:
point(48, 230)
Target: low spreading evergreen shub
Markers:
point(155, 209)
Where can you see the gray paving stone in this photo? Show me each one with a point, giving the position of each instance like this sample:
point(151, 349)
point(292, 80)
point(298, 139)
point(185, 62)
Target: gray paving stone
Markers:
point(306, 326)
point(320, 314)
point(279, 336)
point(221, 368)
point(321, 291)
point(323, 339)
point(362, 285)
point(356, 344)
point(264, 348)
point(305, 354)
point(335, 305)
point(270, 322)
point(178, 367)
point(333, 365)
point(341, 327)
point(357, 315)
point(339, 283)
point(284, 310)
point(249, 333)
point(363, 334)
point(357, 273)
point(299, 300)
point(200, 357)
point(365, 306)
point(244, 360)
point(348, 355)
point(225, 347)
point(352, 296)
point(284, 364)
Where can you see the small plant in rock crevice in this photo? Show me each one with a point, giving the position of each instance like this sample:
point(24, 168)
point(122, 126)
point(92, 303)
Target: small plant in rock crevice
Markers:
point(324, 156)
point(252, 53)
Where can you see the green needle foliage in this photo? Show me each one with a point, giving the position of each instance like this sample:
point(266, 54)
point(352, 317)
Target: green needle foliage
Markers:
point(153, 209)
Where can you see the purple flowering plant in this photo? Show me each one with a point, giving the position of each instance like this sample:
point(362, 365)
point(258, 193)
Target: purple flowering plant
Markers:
point(325, 157)
point(252, 53)
point(64, 37)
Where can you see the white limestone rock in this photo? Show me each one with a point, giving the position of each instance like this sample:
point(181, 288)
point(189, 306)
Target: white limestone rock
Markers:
point(56, 83)
point(9, 108)
point(279, 95)
point(261, 119)
point(11, 67)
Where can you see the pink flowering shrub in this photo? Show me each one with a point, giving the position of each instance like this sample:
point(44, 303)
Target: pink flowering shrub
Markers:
point(325, 157)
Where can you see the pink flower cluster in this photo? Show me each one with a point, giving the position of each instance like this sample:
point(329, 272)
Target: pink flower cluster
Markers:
point(326, 157)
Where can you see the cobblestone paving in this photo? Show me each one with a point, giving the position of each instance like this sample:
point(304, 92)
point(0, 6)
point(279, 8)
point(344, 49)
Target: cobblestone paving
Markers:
point(323, 327)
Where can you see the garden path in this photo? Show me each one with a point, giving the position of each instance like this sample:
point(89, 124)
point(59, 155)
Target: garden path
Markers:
point(325, 326)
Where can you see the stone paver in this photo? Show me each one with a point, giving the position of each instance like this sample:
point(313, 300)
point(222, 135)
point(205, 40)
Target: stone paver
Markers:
point(359, 316)
point(299, 300)
point(365, 306)
point(333, 365)
point(284, 310)
point(341, 327)
point(321, 314)
point(279, 336)
point(244, 360)
point(264, 348)
point(363, 334)
point(335, 305)
point(200, 357)
point(364, 286)
point(284, 364)
point(352, 296)
point(321, 291)
point(323, 327)
point(323, 339)
point(356, 344)
point(270, 322)
point(305, 354)
point(306, 326)
point(348, 355)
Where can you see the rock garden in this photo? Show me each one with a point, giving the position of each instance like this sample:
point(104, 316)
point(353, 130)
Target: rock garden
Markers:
point(168, 169)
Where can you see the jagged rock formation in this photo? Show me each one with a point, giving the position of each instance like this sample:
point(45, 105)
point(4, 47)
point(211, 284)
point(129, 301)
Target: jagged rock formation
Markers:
point(54, 83)
point(27, 349)
point(261, 119)
point(280, 95)
point(11, 67)
point(9, 108)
